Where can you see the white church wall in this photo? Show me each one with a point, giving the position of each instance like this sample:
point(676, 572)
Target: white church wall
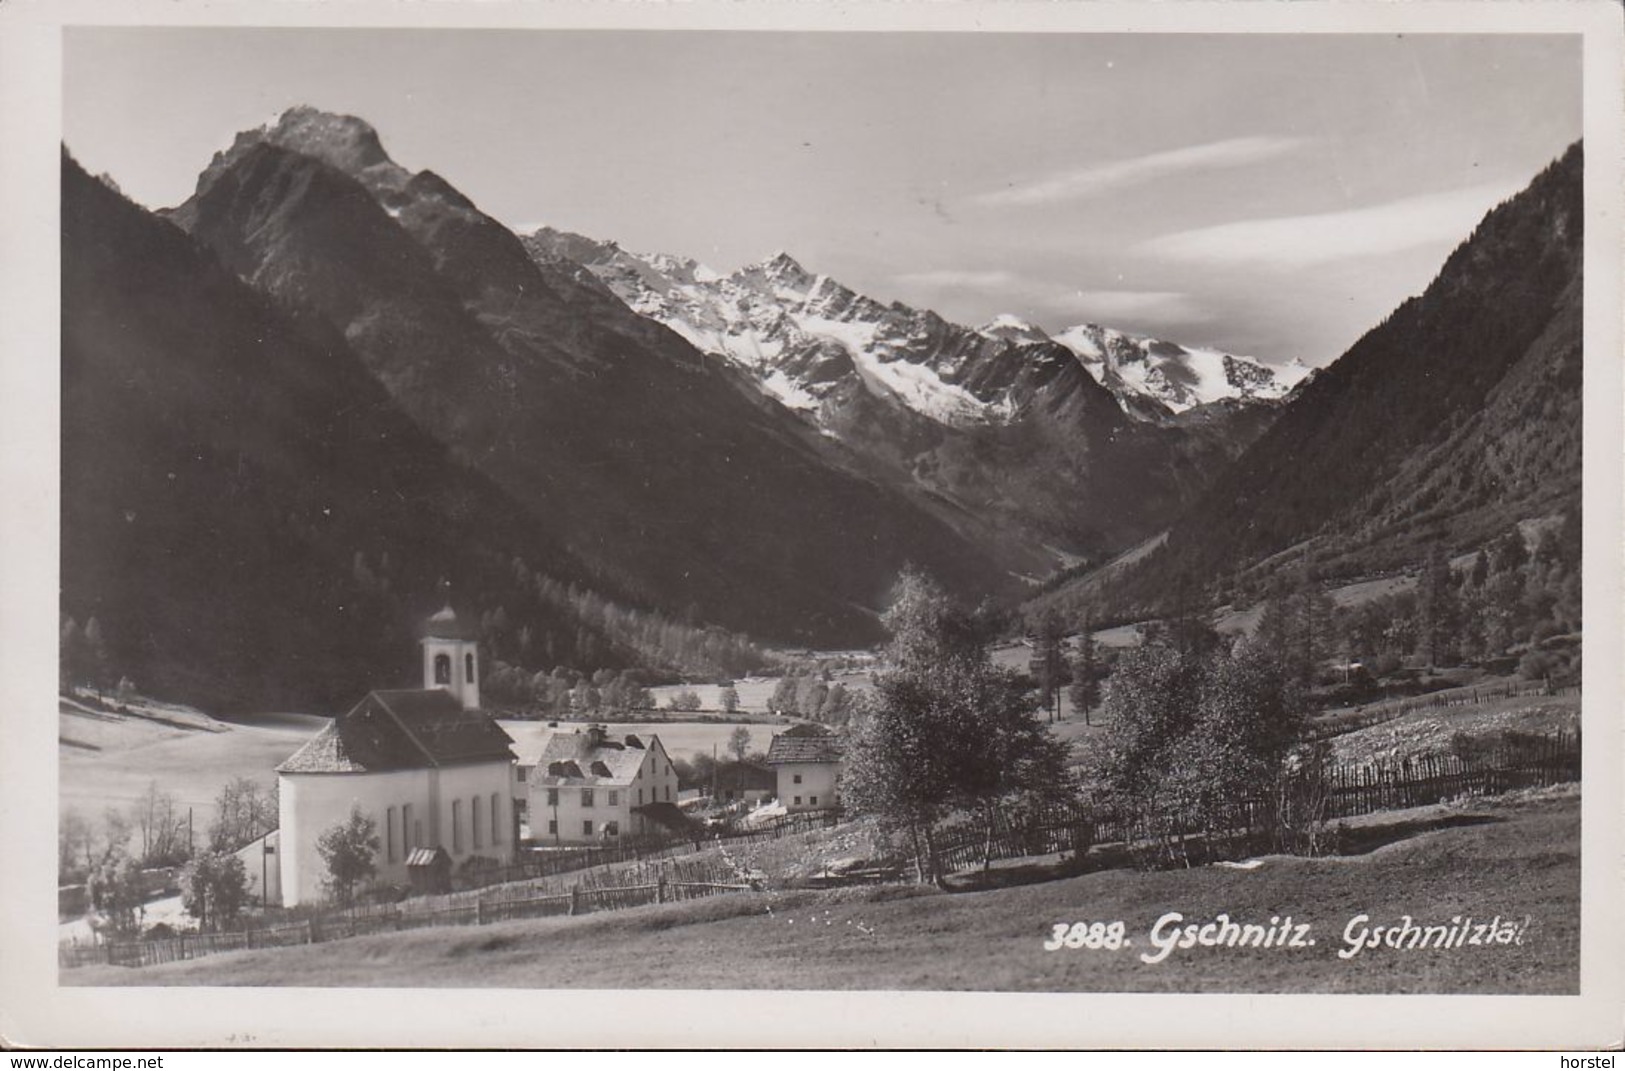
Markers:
point(413, 808)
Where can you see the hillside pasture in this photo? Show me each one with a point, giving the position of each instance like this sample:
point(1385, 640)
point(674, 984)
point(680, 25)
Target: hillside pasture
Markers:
point(1424, 732)
point(109, 761)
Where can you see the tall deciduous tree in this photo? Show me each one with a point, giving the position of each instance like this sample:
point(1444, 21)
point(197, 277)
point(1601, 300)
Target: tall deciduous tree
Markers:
point(739, 743)
point(1192, 735)
point(349, 850)
point(944, 729)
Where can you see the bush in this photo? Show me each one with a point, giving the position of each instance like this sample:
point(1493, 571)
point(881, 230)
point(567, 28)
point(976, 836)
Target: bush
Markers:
point(214, 887)
point(1470, 749)
point(1541, 665)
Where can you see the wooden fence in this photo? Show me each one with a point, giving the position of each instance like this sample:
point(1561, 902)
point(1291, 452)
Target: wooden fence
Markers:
point(1519, 762)
point(652, 883)
point(1340, 791)
point(1471, 695)
point(549, 862)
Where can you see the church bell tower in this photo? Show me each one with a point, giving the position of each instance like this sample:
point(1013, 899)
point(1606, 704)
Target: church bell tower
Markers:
point(451, 658)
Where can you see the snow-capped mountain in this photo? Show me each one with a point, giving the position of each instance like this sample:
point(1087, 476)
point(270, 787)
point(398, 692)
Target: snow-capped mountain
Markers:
point(1000, 423)
point(807, 339)
point(1179, 377)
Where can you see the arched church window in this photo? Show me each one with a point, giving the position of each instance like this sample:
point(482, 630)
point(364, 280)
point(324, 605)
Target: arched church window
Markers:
point(442, 669)
point(468, 668)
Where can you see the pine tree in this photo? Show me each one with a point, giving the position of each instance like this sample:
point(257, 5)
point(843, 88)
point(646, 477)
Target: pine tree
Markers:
point(1085, 689)
point(1049, 662)
point(1436, 622)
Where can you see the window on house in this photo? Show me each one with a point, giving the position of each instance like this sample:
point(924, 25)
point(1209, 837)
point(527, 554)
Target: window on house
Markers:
point(496, 818)
point(456, 826)
point(586, 827)
point(552, 828)
point(813, 800)
point(442, 669)
point(668, 793)
point(798, 801)
point(796, 779)
point(474, 820)
point(408, 830)
point(640, 797)
point(552, 797)
point(612, 829)
point(614, 798)
point(586, 797)
point(389, 834)
point(523, 770)
point(468, 667)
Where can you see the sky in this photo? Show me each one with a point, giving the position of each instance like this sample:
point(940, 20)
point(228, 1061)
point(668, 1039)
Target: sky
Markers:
point(1273, 195)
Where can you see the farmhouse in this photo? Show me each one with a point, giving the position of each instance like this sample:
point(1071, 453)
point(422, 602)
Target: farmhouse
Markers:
point(590, 787)
point(426, 765)
point(807, 760)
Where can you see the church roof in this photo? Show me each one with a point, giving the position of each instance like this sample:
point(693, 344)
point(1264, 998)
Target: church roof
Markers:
point(402, 730)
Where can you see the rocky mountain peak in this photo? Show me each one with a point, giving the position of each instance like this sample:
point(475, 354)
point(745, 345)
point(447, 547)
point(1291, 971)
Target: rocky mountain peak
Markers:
point(348, 143)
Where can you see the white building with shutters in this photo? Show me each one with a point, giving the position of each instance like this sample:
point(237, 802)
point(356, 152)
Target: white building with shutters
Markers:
point(593, 787)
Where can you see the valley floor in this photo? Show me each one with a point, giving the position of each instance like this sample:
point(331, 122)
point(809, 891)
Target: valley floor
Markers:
point(1515, 858)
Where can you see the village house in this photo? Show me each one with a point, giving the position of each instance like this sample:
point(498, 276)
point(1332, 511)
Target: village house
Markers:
point(426, 765)
point(807, 762)
point(591, 788)
point(745, 782)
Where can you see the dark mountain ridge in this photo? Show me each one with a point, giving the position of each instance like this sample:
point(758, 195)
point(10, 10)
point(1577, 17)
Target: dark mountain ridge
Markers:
point(654, 464)
point(244, 509)
point(1456, 417)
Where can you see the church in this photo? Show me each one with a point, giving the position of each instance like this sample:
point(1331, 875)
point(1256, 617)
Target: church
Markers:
point(426, 765)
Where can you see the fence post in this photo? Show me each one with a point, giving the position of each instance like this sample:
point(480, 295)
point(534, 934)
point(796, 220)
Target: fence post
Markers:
point(479, 912)
point(660, 890)
point(575, 899)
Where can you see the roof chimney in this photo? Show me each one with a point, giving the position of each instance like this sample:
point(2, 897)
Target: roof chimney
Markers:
point(596, 734)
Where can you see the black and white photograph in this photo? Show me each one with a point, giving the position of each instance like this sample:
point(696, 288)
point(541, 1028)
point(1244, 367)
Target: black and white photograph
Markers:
point(759, 512)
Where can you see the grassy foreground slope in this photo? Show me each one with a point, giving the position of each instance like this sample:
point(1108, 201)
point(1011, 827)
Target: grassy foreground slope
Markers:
point(1514, 861)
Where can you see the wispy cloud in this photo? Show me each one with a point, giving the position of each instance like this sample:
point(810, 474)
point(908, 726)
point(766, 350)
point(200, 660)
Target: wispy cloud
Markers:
point(1110, 306)
point(1056, 302)
point(1097, 178)
point(952, 279)
point(1290, 242)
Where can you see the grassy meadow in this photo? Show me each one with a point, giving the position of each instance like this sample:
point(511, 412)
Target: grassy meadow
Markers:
point(1505, 858)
